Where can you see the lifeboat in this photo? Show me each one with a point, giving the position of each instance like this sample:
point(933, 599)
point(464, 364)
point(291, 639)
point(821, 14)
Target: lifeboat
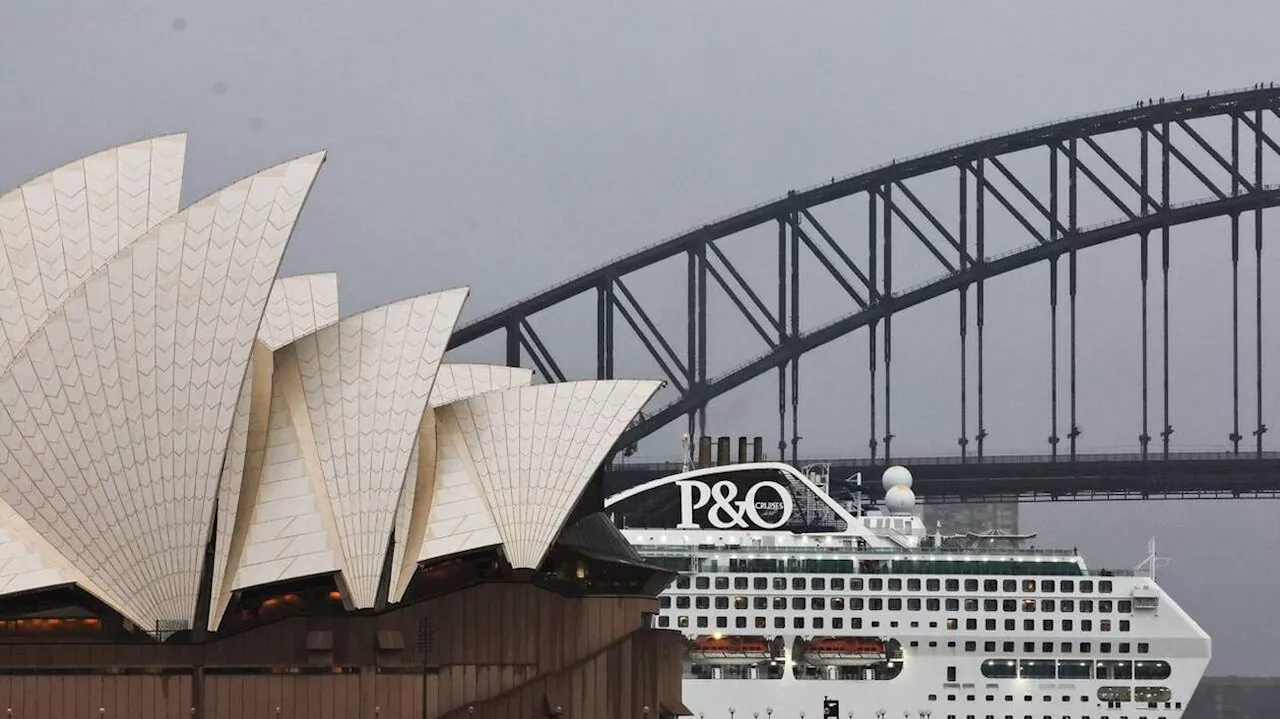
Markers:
point(719, 649)
point(845, 651)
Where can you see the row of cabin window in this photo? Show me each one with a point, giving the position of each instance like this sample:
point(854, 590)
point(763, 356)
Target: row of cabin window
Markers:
point(894, 604)
point(895, 584)
point(989, 647)
point(683, 621)
point(1072, 669)
point(1031, 717)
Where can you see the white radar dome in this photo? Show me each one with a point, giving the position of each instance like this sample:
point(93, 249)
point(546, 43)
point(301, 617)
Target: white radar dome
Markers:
point(896, 476)
point(900, 500)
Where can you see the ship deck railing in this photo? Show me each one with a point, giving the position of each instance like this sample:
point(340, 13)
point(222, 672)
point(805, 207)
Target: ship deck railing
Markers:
point(878, 553)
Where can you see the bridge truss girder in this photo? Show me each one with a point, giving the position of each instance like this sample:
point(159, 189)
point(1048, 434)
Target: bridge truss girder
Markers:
point(1219, 144)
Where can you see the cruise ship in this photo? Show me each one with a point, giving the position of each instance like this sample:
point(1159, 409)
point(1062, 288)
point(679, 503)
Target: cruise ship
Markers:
point(794, 604)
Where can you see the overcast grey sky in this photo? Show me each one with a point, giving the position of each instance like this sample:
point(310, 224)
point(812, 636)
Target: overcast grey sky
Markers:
point(506, 146)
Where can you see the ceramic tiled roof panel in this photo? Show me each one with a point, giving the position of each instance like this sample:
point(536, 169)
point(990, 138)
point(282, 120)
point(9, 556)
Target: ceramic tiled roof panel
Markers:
point(459, 381)
point(117, 411)
point(60, 228)
point(297, 307)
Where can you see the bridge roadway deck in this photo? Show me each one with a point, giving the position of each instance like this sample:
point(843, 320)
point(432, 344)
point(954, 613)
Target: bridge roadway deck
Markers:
point(1206, 475)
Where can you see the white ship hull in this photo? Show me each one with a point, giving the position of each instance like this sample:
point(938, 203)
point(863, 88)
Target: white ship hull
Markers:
point(978, 630)
point(787, 697)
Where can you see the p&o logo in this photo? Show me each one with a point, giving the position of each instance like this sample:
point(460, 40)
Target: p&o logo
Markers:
point(726, 513)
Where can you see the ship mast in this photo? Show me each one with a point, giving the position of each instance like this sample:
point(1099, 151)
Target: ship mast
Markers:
point(1152, 562)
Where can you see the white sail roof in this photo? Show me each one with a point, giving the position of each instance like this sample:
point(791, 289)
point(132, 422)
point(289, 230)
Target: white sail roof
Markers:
point(297, 306)
point(439, 501)
point(116, 412)
point(533, 449)
point(366, 381)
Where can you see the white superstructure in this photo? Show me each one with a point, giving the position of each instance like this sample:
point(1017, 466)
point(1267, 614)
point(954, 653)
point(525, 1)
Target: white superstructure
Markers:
point(790, 602)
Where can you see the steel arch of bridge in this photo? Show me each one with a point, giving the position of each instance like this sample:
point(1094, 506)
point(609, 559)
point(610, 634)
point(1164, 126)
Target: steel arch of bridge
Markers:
point(1160, 137)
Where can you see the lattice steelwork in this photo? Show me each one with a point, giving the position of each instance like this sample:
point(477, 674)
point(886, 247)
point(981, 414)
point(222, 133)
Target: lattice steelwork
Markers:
point(1147, 168)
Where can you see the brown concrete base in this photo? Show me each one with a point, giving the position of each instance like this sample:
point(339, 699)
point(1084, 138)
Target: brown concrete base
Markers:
point(492, 651)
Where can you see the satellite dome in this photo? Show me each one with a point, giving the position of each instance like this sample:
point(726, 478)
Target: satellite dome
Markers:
point(900, 500)
point(896, 476)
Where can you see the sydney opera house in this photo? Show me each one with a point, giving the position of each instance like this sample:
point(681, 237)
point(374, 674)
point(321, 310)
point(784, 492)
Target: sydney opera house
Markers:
point(220, 498)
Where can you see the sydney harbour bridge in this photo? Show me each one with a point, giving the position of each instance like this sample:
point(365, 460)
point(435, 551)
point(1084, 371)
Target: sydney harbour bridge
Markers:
point(975, 211)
